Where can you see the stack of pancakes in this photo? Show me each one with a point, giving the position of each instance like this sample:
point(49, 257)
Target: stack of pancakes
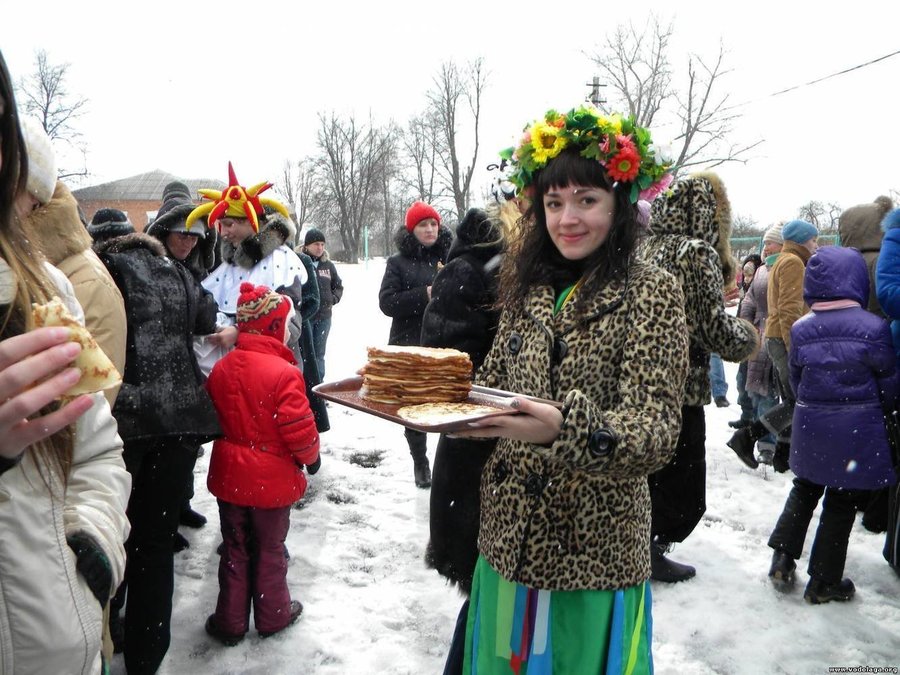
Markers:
point(410, 375)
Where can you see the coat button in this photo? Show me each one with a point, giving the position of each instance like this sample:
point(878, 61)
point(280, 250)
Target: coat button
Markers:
point(602, 443)
point(514, 344)
point(534, 485)
point(501, 471)
point(560, 349)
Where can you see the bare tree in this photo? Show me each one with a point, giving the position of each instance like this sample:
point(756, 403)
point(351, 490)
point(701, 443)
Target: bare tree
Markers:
point(353, 161)
point(639, 70)
point(812, 212)
point(44, 95)
point(420, 149)
point(450, 89)
point(297, 184)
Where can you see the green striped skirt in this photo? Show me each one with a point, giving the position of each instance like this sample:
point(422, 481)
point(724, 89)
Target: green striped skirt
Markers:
point(515, 629)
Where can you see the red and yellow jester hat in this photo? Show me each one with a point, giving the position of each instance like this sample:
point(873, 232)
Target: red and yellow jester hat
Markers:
point(235, 202)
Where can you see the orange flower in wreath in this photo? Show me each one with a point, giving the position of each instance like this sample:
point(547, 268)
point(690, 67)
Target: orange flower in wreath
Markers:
point(625, 165)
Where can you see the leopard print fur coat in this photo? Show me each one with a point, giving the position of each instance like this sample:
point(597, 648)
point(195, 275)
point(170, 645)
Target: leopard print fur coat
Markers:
point(689, 231)
point(576, 515)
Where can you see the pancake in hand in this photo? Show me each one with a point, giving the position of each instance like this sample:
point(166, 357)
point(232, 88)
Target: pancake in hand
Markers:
point(97, 371)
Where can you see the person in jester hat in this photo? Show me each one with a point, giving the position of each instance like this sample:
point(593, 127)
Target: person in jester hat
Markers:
point(256, 247)
point(561, 582)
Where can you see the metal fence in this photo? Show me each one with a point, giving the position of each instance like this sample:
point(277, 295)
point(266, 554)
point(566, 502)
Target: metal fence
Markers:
point(741, 247)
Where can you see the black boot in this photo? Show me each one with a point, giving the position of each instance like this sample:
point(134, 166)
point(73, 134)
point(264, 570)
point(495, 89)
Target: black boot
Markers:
point(665, 570)
point(191, 518)
point(740, 424)
point(744, 440)
point(418, 445)
point(819, 591)
point(780, 460)
point(781, 571)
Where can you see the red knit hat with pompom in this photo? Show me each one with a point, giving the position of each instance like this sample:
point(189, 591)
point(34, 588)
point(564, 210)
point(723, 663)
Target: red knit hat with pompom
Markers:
point(261, 311)
point(418, 212)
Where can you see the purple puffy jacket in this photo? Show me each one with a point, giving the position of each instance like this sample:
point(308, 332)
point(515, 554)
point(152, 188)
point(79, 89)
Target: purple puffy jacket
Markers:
point(839, 360)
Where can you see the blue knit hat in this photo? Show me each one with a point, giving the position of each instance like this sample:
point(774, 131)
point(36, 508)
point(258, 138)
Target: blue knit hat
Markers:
point(799, 231)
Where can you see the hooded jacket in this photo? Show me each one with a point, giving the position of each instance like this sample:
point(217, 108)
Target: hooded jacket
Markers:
point(58, 233)
point(840, 360)
point(202, 258)
point(860, 227)
point(162, 391)
point(689, 230)
point(461, 313)
point(269, 430)
point(888, 274)
point(785, 291)
point(403, 295)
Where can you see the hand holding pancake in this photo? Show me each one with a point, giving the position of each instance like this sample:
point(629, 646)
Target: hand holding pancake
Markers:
point(537, 423)
point(35, 370)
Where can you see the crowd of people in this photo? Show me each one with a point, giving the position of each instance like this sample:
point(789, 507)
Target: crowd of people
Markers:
point(597, 287)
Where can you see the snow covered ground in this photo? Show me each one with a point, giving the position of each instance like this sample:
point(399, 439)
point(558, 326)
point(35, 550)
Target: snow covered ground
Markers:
point(371, 605)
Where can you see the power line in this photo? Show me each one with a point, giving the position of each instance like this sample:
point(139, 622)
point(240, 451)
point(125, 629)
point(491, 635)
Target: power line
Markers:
point(821, 79)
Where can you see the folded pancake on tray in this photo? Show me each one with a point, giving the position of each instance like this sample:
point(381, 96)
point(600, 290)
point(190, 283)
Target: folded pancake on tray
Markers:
point(443, 413)
point(97, 371)
point(409, 375)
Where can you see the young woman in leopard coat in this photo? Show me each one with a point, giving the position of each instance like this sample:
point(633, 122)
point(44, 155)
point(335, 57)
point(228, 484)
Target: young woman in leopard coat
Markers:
point(565, 525)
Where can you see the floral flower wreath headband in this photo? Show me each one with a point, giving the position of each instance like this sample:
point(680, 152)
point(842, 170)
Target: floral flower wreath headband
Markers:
point(624, 149)
point(235, 201)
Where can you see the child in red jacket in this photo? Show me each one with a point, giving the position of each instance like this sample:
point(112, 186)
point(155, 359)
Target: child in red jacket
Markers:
point(256, 468)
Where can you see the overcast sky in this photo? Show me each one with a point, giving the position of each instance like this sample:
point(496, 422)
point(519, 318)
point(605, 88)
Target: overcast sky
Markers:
point(185, 87)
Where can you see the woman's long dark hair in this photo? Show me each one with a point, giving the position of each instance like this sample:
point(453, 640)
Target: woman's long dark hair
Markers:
point(54, 453)
point(538, 262)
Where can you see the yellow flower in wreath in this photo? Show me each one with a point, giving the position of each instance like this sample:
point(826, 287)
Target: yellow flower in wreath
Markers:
point(546, 142)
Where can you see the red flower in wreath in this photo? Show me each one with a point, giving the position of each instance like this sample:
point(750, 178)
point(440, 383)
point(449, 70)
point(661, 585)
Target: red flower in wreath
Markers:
point(625, 165)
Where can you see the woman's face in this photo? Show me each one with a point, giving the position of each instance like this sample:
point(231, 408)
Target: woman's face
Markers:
point(426, 232)
point(578, 219)
point(180, 244)
point(235, 230)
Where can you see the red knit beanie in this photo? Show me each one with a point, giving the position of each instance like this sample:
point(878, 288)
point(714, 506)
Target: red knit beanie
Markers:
point(418, 212)
point(262, 311)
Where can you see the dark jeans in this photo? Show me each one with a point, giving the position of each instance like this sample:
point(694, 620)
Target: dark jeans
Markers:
point(829, 548)
point(678, 490)
point(160, 470)
point(320, 330)
point(744, 398)
point(253, 568)
point(457, 653)
point(778, 419)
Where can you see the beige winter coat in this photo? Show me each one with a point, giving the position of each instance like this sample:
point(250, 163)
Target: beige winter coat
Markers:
point(50, 622)
point(59, 234)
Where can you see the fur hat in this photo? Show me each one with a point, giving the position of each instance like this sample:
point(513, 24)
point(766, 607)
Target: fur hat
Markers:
point(773, 235)
point(41, 160)
point(799, 231)
point(312, 236)
point(109, 223)
point(261, 311)
point(175, 208)
point(418, 212)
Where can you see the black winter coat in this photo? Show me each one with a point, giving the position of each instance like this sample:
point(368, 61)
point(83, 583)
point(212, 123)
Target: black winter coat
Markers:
point(162, 392)
point(403, 296)
point(461, 315)
point(331, 288)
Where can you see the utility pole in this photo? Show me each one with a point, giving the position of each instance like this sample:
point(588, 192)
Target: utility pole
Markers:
point(594, 96)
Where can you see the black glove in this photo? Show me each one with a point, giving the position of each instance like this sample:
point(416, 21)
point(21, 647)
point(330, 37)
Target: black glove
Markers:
point(312, 468)
point(92, 564)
